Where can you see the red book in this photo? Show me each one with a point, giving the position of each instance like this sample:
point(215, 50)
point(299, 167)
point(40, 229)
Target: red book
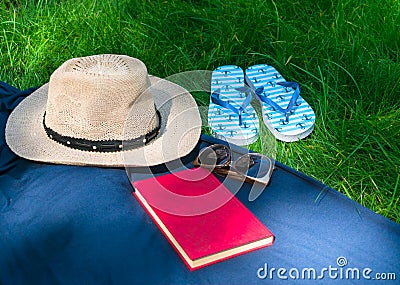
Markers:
point(200, 217)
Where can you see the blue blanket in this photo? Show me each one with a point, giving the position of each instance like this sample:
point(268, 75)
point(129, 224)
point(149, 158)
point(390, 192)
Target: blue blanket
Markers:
point(82, 225)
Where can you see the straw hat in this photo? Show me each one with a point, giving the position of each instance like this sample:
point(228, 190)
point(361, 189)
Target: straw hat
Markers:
point(105, 110)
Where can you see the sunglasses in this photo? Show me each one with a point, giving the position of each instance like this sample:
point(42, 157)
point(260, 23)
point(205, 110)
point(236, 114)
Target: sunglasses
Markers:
point(253, 167)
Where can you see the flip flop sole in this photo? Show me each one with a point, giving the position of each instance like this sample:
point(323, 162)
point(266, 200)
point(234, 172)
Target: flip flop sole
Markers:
point(302, 117)
point(224, 122)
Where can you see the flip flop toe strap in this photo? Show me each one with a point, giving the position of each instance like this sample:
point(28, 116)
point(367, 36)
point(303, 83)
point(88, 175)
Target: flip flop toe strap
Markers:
point(217, 100)
point(287, 111)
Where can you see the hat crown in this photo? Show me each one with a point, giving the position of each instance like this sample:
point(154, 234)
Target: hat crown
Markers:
point(92, 97)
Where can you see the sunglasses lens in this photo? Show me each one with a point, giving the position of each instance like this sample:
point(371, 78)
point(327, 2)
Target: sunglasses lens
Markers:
point(215, 155)
point(254, 166)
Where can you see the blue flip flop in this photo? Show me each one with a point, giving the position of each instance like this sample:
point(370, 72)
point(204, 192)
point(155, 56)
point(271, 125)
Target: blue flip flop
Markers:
point(286, 114)
point(230, 115)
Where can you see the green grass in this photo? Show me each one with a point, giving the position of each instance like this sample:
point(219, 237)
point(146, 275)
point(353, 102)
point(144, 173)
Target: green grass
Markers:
point(345, 55)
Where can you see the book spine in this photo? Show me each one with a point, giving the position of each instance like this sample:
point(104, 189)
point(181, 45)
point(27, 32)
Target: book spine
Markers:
point(162, 230)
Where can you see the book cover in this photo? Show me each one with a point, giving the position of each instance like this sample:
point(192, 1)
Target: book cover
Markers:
point(200, 217)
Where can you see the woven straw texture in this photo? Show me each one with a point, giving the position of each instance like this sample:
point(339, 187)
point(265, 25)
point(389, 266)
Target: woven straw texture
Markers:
point(105, 97)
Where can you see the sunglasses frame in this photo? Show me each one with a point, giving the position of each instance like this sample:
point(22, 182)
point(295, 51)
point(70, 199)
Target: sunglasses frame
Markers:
point(229, 167)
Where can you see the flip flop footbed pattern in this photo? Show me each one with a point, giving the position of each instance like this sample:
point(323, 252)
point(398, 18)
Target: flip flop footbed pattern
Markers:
point(225, 81)
point(300, 121)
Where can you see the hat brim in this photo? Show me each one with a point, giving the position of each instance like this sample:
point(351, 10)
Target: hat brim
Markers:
point(179, 133)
